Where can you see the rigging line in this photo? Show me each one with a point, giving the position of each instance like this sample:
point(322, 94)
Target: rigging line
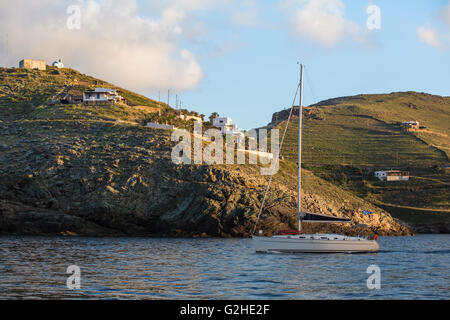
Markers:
point(310, 85)
point(281, 146)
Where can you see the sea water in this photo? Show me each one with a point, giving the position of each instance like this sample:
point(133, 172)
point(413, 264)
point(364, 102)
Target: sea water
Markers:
point(212, 268)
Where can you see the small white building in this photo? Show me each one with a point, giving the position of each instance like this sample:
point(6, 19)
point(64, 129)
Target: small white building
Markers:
point(411, 125)
point(101, 95)
point(392, 175)
point(226, 126)
point(58, 63)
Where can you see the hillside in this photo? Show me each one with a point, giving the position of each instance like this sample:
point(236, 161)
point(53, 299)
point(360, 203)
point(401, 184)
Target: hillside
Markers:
point(22, 91)
point(85, 174)
point(431, 111)
point(38, 95)
point(99, 178)
point(346, 139)
point(364, 130)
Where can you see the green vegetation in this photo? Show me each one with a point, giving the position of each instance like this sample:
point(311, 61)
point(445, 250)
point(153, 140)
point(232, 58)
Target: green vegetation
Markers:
point(113, 112)
point(433, 112)
point(346, 139)
point(348, 135)
point(424, 198)
point(27, 93)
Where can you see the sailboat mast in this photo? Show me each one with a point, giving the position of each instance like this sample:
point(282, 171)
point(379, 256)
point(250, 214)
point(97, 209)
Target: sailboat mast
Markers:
point(300, 114)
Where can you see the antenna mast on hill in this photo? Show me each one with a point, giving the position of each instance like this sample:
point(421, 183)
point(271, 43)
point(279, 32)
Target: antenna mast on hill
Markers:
point(168, 97)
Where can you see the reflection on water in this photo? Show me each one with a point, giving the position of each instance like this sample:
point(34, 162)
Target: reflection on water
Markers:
point(148, 268)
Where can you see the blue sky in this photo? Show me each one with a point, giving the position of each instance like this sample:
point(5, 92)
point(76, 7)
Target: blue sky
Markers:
point(259, 77)
point(239, 57)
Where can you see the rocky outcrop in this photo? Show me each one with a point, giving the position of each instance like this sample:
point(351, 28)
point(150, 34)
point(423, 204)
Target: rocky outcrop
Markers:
point(99, 178)
point(308, 113)
point(17, 218)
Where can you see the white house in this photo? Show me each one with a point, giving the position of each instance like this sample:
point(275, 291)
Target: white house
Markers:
point(226, 126)
point(101, 95)
point(411, 125)
point(392, 175)
point(58, 63)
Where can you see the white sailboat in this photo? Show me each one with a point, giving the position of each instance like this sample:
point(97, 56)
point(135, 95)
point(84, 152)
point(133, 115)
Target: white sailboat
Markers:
point(297, 242)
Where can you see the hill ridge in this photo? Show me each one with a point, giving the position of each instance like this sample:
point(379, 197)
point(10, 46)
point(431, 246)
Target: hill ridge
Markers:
point(332, 115)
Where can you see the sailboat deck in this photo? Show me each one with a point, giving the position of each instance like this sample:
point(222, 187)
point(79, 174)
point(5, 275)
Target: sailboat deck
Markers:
point(320, 237)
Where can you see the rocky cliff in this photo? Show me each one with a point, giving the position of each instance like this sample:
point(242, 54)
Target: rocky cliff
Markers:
point(103, 178)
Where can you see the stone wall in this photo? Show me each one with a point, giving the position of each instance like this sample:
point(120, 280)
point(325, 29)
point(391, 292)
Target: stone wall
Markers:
point(33, 64)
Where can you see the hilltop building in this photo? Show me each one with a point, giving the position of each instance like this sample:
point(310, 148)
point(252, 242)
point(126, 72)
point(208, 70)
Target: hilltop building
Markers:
point(33, 64)
point(392, 175)
point(226, 126)
point(65, 98)
point(411, 125)
point(101, 96)
point(58, 63)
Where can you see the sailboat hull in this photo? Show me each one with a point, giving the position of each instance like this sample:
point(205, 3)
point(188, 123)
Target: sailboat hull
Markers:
point(314, 244)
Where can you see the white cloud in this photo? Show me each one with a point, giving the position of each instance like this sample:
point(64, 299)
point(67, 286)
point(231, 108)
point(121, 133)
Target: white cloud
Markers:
point(445, 13)
point(247, 14)
point(114, 43)
point(322, 21)
point(429, 36)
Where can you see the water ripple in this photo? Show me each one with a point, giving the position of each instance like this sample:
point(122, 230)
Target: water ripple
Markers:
point(149, 268)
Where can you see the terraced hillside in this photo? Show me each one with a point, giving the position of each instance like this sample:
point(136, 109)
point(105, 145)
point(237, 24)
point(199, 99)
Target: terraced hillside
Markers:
point(364, 130)
point(346, 139)
point(431, 111)
point(423, 201)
